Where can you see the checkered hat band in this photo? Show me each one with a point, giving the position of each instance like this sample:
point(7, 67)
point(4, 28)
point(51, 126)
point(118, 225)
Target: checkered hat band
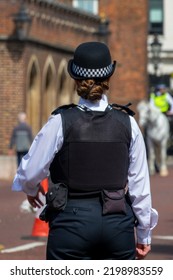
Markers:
point(94, 73)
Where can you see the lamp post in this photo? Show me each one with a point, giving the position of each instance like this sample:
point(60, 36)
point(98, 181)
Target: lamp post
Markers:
point(22, 22)
point(103, 29)
point(156, 50)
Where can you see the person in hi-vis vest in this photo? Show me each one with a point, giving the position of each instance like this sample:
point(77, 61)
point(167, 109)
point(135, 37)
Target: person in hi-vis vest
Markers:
point(162, 99)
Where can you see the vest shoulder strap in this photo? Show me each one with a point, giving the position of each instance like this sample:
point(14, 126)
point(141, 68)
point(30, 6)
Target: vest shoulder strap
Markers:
point(62, 108)
point(123, 108)
point(114, 106)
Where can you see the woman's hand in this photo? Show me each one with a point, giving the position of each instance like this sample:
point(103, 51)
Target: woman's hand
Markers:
point(35, 201)
point(142, 250)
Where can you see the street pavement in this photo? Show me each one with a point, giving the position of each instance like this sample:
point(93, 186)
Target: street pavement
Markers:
point(162, 198)
point(17, 242)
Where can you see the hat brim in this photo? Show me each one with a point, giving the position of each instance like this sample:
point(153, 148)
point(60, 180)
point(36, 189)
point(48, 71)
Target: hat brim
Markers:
point(77, 77)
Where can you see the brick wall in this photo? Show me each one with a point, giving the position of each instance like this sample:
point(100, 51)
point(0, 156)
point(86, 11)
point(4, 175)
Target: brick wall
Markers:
point(64, 29)
point(128, 25)
point(11, 95)
point(53, 29)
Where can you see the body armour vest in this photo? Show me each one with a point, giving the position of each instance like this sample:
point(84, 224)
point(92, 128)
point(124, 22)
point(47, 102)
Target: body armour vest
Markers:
point(95, 152)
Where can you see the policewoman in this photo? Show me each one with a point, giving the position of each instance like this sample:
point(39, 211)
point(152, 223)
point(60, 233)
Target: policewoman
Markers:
point(95, 156)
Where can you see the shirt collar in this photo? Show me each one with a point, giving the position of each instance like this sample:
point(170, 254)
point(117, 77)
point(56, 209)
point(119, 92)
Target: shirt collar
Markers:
point(95, 106)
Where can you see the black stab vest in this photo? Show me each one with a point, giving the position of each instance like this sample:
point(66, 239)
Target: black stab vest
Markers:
point(95, 152)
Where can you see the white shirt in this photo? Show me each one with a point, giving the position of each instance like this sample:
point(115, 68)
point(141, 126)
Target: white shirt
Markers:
point(35, 165)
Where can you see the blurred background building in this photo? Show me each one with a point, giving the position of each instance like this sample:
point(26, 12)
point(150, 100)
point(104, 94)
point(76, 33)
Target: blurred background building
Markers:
point(38, 37)
point(160, 43)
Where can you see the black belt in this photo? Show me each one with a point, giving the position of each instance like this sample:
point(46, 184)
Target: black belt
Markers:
point(93, 194)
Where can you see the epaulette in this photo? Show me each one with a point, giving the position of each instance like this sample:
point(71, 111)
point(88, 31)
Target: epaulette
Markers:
point(123, 108)
point(62, 108)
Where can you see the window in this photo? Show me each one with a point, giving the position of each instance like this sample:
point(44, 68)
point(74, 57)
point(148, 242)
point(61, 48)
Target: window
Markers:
point(90, 6)
point(155, 16)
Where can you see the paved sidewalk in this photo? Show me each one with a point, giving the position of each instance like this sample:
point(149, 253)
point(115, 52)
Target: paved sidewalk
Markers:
point(162, 195)
point(16, 227)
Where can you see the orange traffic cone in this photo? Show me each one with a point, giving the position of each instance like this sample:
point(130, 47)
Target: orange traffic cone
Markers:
point(41, 228)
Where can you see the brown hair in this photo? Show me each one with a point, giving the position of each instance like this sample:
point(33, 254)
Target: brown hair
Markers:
point(92, 89)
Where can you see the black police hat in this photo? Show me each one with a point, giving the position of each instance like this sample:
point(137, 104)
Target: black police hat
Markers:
point(92, 60)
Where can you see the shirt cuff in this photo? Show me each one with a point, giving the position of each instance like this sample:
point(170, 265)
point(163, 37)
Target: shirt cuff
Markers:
point(144, 235)
point(16, 186)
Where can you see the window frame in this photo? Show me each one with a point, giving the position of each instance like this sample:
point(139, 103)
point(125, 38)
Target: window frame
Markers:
point(94, 2)
point(155, 27)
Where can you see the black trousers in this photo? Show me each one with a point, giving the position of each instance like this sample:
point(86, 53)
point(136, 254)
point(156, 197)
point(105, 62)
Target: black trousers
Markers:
point(81, 232)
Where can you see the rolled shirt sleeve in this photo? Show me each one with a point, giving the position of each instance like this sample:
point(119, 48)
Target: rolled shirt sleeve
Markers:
point(34, 166)
point(139, 187)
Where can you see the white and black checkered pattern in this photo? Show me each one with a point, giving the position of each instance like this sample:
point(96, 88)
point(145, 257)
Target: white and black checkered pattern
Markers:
point(94, 73)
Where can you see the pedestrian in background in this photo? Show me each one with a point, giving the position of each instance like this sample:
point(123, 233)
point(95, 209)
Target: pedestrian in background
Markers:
point(99, 206)
point(21, 138)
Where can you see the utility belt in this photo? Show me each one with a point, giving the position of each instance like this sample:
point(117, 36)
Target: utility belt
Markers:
point(113, 202)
